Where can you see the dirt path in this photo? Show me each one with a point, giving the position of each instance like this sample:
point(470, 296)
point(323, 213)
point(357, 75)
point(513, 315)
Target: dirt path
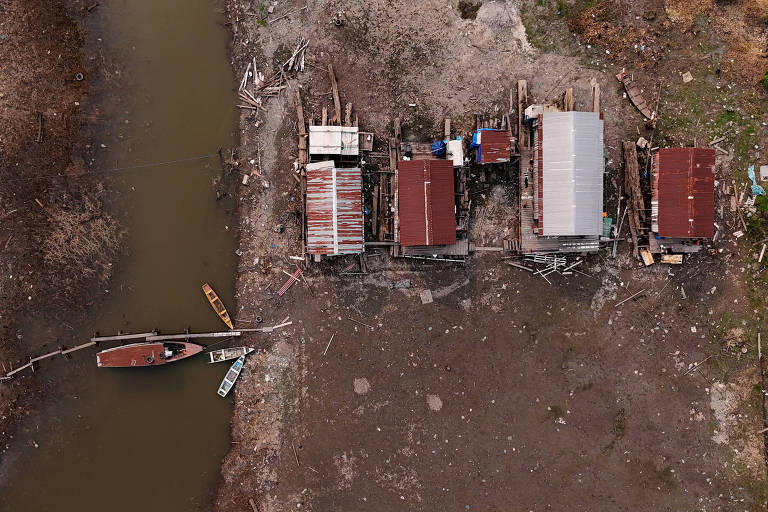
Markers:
point(504, 388)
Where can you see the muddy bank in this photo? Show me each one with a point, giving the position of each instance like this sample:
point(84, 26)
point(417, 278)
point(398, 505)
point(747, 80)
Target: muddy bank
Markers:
point(504, 387)
point(57, 240)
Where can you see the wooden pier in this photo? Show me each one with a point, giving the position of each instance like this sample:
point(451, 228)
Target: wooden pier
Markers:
point(147, 336)
point(123, 337)
point(189, 336)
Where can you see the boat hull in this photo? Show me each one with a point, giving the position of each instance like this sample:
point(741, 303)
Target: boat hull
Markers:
point(217, 305)
point(231, 377)
point(146, 354)
point(227, 354)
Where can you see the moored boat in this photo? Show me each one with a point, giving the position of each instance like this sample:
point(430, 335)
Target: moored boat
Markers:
point(217, 305)
point(225, 354)
point(146, 354)
point(231, 377)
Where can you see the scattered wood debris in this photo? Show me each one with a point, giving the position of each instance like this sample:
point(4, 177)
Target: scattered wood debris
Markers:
point(296, 62)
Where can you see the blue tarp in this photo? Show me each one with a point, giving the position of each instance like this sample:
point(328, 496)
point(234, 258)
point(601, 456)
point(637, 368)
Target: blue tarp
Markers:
point(756, 189)
point(438, 148)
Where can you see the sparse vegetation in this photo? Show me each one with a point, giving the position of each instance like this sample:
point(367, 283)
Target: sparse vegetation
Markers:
point(81, 243)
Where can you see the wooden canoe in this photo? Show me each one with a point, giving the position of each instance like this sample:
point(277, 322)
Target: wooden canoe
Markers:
point(231, 377)
point(146, 354)
point(217, 305)
point(225, 354)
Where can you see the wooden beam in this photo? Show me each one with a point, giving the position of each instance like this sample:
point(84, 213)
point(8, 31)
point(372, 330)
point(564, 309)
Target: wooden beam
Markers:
point(568, 99)
point(522, 102)
point(122, 337)
point(335, 91)
point(324, 117)
point(447, 130)
point(185, 336)
point(375, 212)
point(398, 133)
point(46, 356)
point(595, 96)
point(84, 345)
point(348, 114)
point(303, 154)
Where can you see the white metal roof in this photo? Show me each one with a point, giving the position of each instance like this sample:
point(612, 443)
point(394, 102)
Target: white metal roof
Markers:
point(572, 173)
point(334, 140)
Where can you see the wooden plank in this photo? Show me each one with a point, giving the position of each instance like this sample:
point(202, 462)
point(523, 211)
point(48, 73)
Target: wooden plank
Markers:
point(447, 131)
point(672, 259)
point(383, 206)
point(647, 257)
point(348, 114)
point(46, 356)
point(84, 345)
point(185, 336)
point(375, 212)
point(522, 103)
point(568, 99)
point(595, 96)
point(122, 337)
point(17, 370)
point(303, 154)
point(335, 91)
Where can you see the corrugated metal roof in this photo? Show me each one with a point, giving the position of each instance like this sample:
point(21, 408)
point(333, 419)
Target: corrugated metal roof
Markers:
point(334, 140)
point(571, 174)
point(685, 192)
point(426, 202)
point(334, 210)
point(494, 146)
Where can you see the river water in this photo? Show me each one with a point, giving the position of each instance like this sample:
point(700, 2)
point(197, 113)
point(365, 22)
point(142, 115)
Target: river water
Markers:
point(147, 438)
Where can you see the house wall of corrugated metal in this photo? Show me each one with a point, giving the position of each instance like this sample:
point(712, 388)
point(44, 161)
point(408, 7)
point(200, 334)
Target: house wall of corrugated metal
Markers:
point(426, 202)
point(572, 174)
point(686, 192)
point(334, 210)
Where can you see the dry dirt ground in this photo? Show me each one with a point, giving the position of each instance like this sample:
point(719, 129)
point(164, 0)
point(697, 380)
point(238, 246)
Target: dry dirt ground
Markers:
point(506, 393)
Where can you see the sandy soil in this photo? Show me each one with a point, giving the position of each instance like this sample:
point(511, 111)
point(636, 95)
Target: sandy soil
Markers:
point(504, 388)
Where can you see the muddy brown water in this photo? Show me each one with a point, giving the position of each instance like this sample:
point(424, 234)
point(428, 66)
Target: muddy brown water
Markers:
point(147, 438)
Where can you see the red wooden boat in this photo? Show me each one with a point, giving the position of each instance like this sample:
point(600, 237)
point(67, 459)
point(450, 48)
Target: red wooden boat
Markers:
point(146, 354)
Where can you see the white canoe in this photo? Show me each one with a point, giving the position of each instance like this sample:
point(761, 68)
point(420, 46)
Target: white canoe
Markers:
point(231, 377)
point(225, 354)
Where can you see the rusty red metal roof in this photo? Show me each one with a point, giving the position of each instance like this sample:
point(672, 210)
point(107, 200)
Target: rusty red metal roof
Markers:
point(426, 202)
point(334, 210)
point(685, 191)
point(494, 146)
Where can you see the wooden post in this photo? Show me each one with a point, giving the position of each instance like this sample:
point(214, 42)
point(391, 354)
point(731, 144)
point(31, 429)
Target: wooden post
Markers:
point(568, 99)
point(447, 128)
point(595, 96)
point(398, 133)
point(303, 154)
point(522, 102)
point(39, 127)
point(324, 117)
point(335, 91)
point(348, 114)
